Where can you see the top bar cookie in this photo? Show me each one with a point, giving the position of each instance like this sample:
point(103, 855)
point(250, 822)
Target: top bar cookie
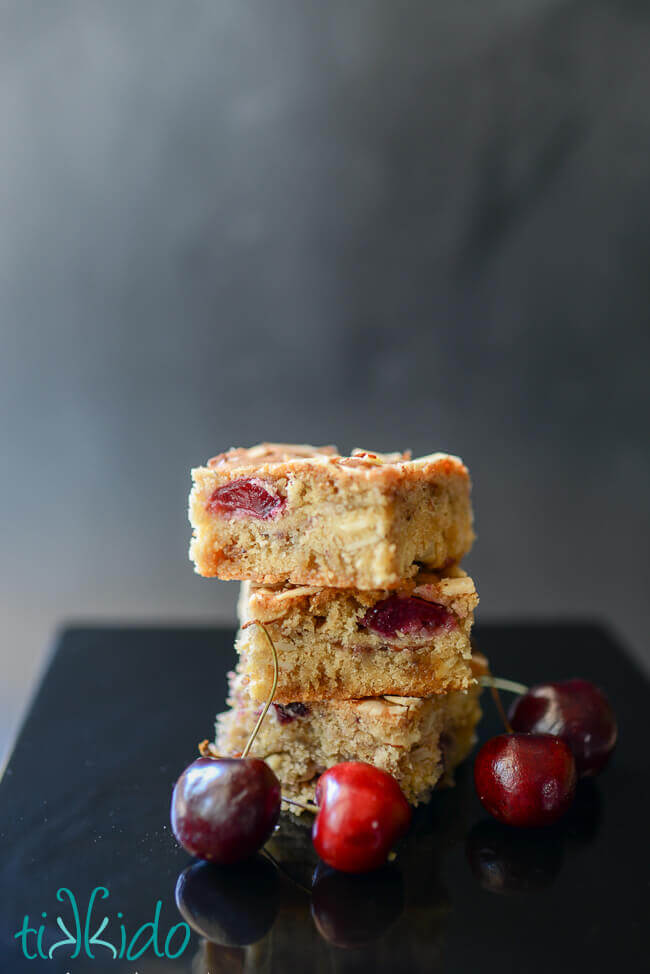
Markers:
point(307, 515)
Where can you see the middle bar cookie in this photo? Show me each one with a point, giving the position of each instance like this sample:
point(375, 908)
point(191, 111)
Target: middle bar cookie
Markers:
point(344, 643)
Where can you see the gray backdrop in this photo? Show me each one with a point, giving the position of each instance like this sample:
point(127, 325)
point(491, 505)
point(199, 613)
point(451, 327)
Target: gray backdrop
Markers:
point(372, 223)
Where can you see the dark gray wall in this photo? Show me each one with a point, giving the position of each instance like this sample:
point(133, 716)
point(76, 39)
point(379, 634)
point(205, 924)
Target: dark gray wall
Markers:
point(374, 223)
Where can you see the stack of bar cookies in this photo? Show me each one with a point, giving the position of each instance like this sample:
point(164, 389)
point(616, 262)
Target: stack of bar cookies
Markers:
point(352, 565)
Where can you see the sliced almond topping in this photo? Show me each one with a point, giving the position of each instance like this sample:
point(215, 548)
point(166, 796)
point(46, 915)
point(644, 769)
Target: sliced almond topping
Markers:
point(274, 761)
point(457, 586)
point(397, 710)
point(372, 708)
point(295, 593)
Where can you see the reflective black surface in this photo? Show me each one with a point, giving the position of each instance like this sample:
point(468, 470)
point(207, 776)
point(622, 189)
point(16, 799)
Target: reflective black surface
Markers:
point(84, 803)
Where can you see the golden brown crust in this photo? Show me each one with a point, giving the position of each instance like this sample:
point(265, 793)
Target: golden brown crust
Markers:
point(268, 453)
point(283, 459)
point(392, 712)
point(452, 588)
point(424, 683)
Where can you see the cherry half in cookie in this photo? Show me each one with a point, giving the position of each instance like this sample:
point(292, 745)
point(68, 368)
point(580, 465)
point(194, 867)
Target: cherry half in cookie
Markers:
point(575, 710)
point(527, 780)
point(246, 497)
point(362, 812)
point(288, 712)
point(407, 615)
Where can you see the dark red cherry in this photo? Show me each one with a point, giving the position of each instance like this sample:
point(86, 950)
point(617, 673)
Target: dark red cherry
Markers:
point(231, 907)
point(288, 712)
point(525, 779)
point(350, 911)
point(224, 809)
point(575, 710)
point(362, 814)
point(246, 496)
point(398, 614)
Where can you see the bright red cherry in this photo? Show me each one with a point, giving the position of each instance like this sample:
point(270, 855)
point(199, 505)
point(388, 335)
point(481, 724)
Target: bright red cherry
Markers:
point(224, 809)
point(246, 497)
point(575, 710)
point(525, 779)
point(362, 814)
point(398, 614)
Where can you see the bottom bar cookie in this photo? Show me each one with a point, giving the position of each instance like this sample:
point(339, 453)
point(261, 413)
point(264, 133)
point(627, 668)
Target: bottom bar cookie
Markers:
point(418, 740)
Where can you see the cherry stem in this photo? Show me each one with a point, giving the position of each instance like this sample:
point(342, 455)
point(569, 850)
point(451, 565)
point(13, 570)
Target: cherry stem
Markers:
point(251, 739)
point(495, 684)
point(501, 709)
point(307, 806)
point(509, 686)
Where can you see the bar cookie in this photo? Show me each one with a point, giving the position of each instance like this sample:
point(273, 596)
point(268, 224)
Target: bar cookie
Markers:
point(418, 740)
point(335, 643)
point(310, 516)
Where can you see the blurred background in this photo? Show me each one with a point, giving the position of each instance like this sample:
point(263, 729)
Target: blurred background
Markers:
point(376, 224)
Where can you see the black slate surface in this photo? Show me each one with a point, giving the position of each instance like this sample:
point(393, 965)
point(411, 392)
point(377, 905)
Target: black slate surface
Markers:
point(84, 804)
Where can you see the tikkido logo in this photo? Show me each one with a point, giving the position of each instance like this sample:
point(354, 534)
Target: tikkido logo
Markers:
point(83, 933)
